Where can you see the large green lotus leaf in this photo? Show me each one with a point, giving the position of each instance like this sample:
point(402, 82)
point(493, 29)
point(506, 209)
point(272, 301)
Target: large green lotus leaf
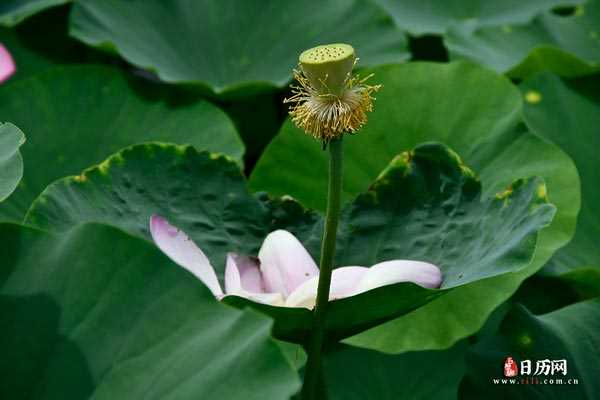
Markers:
point(568, 113)
point(462, 312)
point(567, 45)
point(96, 313)
point(429, 16)
point(477, 113)
point(11, 162)
point(201, 193)
point(352, 373)
point(13, 12)
point(570, 334)
point(231, 45)
point(77, 116)
point(430, 183)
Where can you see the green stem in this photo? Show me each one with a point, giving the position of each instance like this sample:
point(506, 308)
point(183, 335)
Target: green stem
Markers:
point(312, 372)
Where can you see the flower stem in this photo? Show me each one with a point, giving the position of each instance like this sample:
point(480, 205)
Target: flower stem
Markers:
point(312, 372)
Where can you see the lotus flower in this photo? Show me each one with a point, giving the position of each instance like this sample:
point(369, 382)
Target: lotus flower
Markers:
point(7, 64)
point(284, 274)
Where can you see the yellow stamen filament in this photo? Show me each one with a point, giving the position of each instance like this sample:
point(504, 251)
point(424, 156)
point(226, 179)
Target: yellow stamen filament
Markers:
point(328, 116)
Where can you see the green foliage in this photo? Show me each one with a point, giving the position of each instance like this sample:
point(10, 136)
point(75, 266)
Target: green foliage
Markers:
point(201, 193)
point(77, 116)
point(569, 333)
point(429, 16)
point(89, 308)
point(358, 374)
point(108, 316)
point(478, 114)
point(427, 195)
point(464, 106)
point(566, 45)
point(180, 39)
point(568, 113)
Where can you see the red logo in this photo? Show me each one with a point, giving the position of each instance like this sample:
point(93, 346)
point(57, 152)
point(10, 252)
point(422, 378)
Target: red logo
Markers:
point(510, 367)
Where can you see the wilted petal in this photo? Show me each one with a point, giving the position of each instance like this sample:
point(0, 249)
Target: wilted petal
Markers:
point(7, 64)
point(183, 251)
point(343, 283)
point(285, 263)
point(395, 271)
point(243, 278)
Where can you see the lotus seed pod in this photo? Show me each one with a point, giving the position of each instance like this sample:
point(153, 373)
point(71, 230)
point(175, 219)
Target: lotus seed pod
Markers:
point(327, 101)
point(328, 66)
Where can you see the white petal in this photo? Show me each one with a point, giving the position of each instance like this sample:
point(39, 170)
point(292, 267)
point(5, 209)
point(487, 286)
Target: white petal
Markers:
point(183, 251)
point(343, 283)
point(395, 271)
point(243, 278)
point(285, 263)
point(304, 295)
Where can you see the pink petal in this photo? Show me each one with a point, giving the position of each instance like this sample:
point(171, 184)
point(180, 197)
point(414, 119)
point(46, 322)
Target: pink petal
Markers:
point(183, 251)
point(395, 271)
point(343, 283)
point(243, 278)
point(244, 274)
point(285, 263)
point(7, 64)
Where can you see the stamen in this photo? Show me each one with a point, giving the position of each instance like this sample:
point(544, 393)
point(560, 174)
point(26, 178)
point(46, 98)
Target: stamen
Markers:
point(328, 116)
